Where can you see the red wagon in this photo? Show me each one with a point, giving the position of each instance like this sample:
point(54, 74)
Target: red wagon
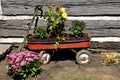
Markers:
point(82, 56)
point(78, 46)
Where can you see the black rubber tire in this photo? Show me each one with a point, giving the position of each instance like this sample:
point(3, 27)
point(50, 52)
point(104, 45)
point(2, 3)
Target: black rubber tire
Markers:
point(83, 57)
point(45, 57)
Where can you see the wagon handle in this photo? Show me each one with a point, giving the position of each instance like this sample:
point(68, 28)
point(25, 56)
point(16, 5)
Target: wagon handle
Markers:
point(38, 7)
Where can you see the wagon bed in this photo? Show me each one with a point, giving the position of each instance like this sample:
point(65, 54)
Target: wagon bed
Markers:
point(67, 44)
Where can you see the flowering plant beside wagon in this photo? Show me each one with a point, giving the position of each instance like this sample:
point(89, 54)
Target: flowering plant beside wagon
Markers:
point(22, 64)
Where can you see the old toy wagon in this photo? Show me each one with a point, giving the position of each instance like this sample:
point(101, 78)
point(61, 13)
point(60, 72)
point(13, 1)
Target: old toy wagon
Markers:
point(82, 55)
point(53, 37)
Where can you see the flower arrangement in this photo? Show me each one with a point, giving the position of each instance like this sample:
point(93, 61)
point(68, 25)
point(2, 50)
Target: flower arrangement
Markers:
point(22, 64)
point(55, 17)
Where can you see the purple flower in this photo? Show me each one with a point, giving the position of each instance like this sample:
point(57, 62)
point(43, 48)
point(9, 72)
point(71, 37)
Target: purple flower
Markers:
point(36, 57)
point(15, 66)
point(27, 55)
point(18, 62)
point(23, 63)
point(22, 54)
point(18, 59)
point(17, 70)
point(11, 62)
point(29, 59)
point(12, 56)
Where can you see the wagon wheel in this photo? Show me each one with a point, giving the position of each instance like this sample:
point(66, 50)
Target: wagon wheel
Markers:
point(83, 57)
point(45, 57)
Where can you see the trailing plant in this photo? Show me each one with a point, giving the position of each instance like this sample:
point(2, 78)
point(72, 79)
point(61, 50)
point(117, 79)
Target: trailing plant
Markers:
point(55, 17)
point(40, 32)
point(77, 28)
point(56, 46)
point(111, 58)
point(59, 39)
point(23, 64)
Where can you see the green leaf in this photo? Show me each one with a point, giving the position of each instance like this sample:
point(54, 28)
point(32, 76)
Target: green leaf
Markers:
point(24, 76)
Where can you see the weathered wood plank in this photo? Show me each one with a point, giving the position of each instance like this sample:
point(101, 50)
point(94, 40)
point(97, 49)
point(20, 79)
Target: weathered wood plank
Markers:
point(16, 27)
point(74, 7)
point(104, 32)
point(94, 27)
point(115, 46)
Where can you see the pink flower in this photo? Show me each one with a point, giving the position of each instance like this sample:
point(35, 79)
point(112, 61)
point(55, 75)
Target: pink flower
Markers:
point(11, 57)
point(18, 59)
point(17, 70)
point(29, 59)
point(15, 66)
point(32, 55)
point(27, 55)
point(22, 53)
point(11, 62)
point(23, 63)
point(36, 57)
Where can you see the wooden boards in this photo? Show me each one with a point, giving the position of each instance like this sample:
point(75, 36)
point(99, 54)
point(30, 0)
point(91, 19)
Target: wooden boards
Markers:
point(99, 28)
point(74, 7)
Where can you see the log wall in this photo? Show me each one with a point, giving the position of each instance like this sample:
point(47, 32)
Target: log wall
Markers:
point(75, 8)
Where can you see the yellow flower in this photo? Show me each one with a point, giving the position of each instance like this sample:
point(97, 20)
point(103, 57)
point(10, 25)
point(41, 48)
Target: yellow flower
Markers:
point(62, 10)
point(64, 15)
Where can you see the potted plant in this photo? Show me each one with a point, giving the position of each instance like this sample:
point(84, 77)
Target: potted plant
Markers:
point(23, 64)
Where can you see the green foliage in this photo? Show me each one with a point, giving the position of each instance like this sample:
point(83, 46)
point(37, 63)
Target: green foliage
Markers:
point(23, 64)
point(55, 16)
point(30, 69)
point(57, 45)
point(77, 28)
point(111, 58)
point(60, 38)
point(40, 32)
point(54, 19)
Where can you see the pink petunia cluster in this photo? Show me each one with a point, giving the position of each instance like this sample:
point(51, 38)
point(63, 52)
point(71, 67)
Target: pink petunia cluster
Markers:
point(18, 60)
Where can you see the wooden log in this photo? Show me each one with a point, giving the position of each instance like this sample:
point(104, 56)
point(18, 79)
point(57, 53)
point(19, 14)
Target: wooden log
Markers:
point(74, 7)
point(106, 28)
point(105, 46)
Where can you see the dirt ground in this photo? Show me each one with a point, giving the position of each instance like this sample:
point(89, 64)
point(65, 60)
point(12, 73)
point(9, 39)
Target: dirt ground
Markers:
point(63, 65)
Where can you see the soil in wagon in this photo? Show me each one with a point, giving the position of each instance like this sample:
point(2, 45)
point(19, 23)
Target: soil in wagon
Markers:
point(63, 65)
point(68, 38)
